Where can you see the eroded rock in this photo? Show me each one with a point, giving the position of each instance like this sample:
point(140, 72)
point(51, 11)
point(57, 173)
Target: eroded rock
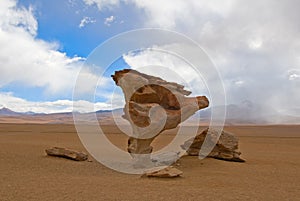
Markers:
point(226, 147)
point(153, 105)
point(67, 153)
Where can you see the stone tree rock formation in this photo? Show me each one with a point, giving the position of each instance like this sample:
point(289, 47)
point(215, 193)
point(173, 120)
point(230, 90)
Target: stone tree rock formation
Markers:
point(152, 106)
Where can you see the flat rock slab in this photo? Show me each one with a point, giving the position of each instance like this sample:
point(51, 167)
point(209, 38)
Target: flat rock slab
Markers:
point(167, 172)
point(67, 153)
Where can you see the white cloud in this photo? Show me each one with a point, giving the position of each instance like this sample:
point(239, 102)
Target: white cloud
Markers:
point(255, 43)
point(8, 100)
point(159, 62)
point(175, 13)
point(101, 4)
point(294, 74)
point(16, 20)
point(239, 82)
point(85, 21)
point(109, 20)
point(29, 61)
point(169, 13)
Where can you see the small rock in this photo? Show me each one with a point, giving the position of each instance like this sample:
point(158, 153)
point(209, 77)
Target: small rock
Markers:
point(168, 172)
point(67, 153)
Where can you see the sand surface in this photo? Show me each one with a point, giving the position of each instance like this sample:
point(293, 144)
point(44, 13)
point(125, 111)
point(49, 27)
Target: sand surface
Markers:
point(272, 170)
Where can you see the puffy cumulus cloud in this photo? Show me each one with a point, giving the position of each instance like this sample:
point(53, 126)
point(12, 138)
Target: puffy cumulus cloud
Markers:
point(162, 61)
point(29, 61)
point(17, 104)
point(12, 19)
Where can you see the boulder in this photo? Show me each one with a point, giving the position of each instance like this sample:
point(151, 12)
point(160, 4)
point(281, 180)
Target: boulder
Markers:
point(226, 147)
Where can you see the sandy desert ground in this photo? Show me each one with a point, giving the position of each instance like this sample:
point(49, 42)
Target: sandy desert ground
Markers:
point(272, 170)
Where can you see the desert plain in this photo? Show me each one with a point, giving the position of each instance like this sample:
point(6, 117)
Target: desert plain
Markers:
point(271, 171)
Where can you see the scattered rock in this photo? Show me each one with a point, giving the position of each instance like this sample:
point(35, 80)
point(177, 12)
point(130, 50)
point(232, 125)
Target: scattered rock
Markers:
point(226, 147)
point(167, 172)
point(66, 153)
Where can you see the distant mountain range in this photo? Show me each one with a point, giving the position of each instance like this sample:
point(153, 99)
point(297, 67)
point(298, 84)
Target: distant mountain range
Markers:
point(7, 112)
point(244, 113)
point(9, 116)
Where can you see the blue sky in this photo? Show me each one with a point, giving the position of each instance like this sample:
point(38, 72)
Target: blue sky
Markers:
point(59, 21)
point(43, 45)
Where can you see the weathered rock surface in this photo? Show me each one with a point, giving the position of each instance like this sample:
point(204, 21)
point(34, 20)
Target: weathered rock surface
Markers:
point(153, 105)
point(226, 147)
point(168, 172)
point(67, 153)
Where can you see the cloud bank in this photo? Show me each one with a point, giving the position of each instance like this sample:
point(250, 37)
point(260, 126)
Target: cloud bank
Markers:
point(22, 105)
point(255, 46)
